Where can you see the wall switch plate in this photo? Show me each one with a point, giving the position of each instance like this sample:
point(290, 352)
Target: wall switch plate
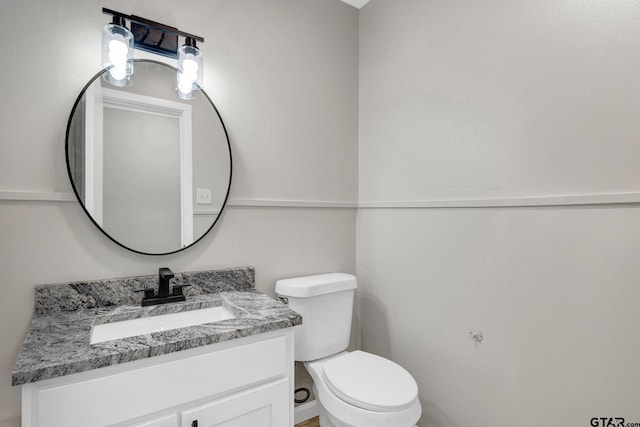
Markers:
point(203, 196)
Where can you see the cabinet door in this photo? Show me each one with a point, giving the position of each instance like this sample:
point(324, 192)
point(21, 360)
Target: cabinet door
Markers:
point(166, 421)
point(264, 406)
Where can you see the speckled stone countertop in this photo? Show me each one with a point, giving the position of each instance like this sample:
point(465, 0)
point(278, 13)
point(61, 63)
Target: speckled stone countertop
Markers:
point(58, 341)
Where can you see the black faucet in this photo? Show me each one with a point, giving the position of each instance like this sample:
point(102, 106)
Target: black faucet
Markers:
point(164, 277)
point(164, 296)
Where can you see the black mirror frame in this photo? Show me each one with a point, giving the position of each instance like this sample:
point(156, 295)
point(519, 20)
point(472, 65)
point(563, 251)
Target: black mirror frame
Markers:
point(75, 190)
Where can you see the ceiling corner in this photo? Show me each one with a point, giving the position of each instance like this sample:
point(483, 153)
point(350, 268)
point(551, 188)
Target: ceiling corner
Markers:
point(356, 3)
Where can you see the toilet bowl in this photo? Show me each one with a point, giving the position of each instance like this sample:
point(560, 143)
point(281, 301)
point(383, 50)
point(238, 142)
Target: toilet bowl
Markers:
point(360, 389)
point(353, 389)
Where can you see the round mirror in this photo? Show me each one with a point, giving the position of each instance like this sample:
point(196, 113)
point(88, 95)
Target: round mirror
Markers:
point(151, 170)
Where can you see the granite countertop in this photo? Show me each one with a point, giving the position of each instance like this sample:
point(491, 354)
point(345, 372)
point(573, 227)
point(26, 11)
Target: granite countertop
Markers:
point(58, 341)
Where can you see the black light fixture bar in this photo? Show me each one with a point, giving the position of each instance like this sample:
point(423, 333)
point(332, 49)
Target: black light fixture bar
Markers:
point(153, 36)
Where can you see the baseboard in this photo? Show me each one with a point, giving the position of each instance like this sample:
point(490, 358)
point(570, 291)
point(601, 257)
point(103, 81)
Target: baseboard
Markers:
point(303, 412)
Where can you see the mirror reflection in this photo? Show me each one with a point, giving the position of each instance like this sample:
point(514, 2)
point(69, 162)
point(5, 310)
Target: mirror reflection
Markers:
point(151, 170)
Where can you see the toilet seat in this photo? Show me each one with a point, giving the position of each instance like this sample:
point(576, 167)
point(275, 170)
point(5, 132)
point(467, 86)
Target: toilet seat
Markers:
point(370, 382)
point(351, 415)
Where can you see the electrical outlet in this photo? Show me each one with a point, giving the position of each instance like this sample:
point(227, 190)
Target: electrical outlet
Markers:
point(203, 196)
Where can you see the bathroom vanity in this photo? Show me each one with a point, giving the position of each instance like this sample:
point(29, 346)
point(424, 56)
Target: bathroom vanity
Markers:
point(237, 371)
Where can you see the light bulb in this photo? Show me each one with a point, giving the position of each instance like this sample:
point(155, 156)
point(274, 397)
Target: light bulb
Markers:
point(117, 59)
point(190, 71)
point(118, 47)
point(185, 84)
point(118, 72)
point(189, 65)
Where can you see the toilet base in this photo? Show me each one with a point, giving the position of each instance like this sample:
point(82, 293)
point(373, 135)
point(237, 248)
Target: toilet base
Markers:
point(327, 420)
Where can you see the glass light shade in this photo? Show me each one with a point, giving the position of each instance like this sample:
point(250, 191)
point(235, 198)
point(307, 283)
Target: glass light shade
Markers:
point(117, 53)
point(189, 75)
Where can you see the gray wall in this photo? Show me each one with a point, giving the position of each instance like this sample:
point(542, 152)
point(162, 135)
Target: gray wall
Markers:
point(283, 74)
point(462, 105)
point(468, 106)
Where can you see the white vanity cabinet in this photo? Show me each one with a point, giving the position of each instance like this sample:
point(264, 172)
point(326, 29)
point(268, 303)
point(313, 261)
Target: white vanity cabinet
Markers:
point(164, 421)
point(244, 382)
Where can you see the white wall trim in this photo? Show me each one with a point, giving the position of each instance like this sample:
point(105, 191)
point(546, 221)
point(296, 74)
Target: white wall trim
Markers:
point(585, 199)
point(70, 197)
point(37, 196)
point(291, 203)
point(568, 200)
point(206, 212)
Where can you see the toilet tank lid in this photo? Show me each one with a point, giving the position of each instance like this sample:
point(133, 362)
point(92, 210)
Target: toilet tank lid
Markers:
point(309, 286)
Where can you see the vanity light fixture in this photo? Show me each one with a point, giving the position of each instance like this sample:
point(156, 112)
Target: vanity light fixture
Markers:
point(189, 75)
point(117, 52)
point(152, 37)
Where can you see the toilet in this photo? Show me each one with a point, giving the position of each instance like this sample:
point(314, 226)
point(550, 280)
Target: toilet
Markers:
point(354, 389)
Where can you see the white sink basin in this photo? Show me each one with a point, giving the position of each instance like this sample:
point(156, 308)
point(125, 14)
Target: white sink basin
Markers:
point(164, 322)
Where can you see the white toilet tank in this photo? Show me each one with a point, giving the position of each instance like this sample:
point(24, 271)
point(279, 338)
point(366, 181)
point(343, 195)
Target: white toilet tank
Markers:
point(325, 302)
